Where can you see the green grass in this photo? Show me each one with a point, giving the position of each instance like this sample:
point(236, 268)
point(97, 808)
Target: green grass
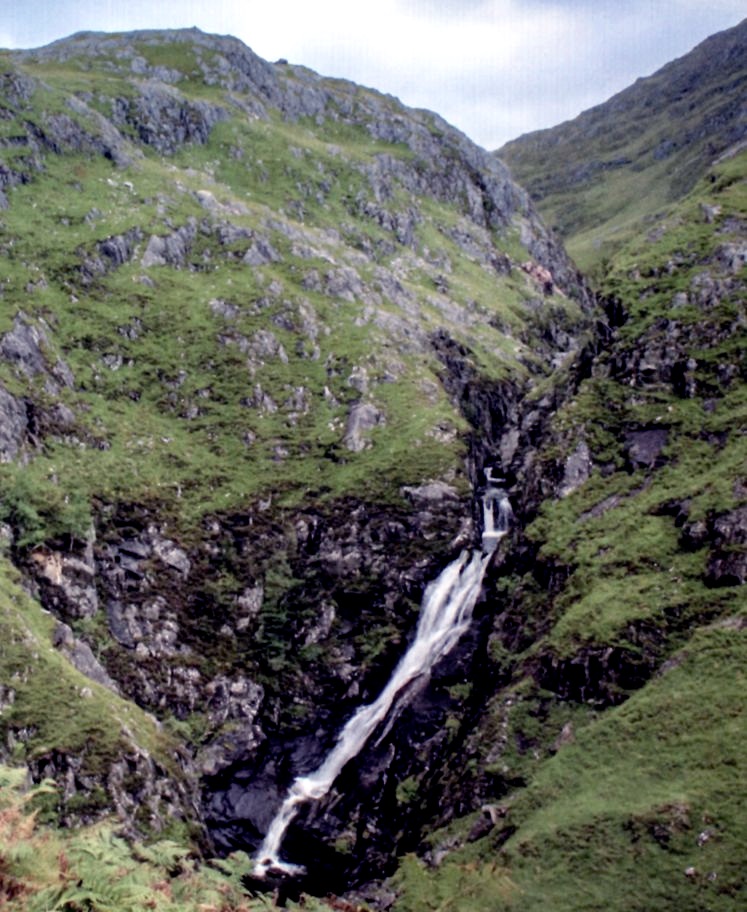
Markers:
point(616, 818)
point(151, 451)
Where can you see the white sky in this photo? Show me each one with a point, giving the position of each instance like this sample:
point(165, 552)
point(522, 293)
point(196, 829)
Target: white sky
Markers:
point(494, 68)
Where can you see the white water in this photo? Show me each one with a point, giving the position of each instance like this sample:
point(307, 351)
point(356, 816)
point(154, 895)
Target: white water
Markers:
point(445, 615)
point(495, 527)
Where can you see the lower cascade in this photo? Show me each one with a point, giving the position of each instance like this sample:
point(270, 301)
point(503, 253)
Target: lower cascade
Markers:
point(445, 615)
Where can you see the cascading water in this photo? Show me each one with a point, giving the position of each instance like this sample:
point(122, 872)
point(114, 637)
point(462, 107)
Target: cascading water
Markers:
point(496, 513)
point(445, 615)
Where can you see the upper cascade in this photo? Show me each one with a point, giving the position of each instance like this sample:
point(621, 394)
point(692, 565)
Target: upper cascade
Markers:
point(497, 512)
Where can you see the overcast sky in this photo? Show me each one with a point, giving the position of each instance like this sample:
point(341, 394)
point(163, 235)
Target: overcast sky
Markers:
point(494, 68)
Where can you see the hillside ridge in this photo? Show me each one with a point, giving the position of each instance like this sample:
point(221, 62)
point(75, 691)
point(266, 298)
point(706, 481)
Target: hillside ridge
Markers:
point(630, 157)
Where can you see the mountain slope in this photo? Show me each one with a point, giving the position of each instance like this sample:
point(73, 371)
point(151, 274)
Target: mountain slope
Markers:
point(252, 322)
point(262, 333)
point(598, 178)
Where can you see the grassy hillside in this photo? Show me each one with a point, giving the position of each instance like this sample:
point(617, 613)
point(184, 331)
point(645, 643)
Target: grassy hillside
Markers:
point(602, 177)
point(223, 303)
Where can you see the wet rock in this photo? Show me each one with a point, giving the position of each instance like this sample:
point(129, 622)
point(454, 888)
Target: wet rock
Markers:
point(433, 493)
point(228, 748)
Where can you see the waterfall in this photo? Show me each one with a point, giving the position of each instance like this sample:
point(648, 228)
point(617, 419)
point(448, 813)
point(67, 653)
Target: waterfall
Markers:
point(445, 615)
point(494, 527)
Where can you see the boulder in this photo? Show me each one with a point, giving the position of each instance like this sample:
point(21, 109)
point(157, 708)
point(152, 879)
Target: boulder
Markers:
point(363, 418)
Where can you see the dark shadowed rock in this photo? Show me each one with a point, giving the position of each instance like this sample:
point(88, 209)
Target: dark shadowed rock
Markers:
point(645, 447)
point(727, 563)
point(165, 119)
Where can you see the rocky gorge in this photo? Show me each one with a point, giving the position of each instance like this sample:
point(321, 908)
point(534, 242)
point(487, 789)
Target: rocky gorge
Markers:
point(250, 385)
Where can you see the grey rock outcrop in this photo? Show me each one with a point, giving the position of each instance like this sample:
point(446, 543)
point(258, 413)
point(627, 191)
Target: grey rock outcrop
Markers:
point(171, 249)
point(165, 119)
point(27, 348)
point(727, 563)
point(362, 419)
point(577, 470)
point(260, 253)
point(67, 581)
point(81, 656)
point(13, 426)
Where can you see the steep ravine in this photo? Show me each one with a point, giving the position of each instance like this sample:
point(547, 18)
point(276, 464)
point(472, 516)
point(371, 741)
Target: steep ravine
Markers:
point(391, 795)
